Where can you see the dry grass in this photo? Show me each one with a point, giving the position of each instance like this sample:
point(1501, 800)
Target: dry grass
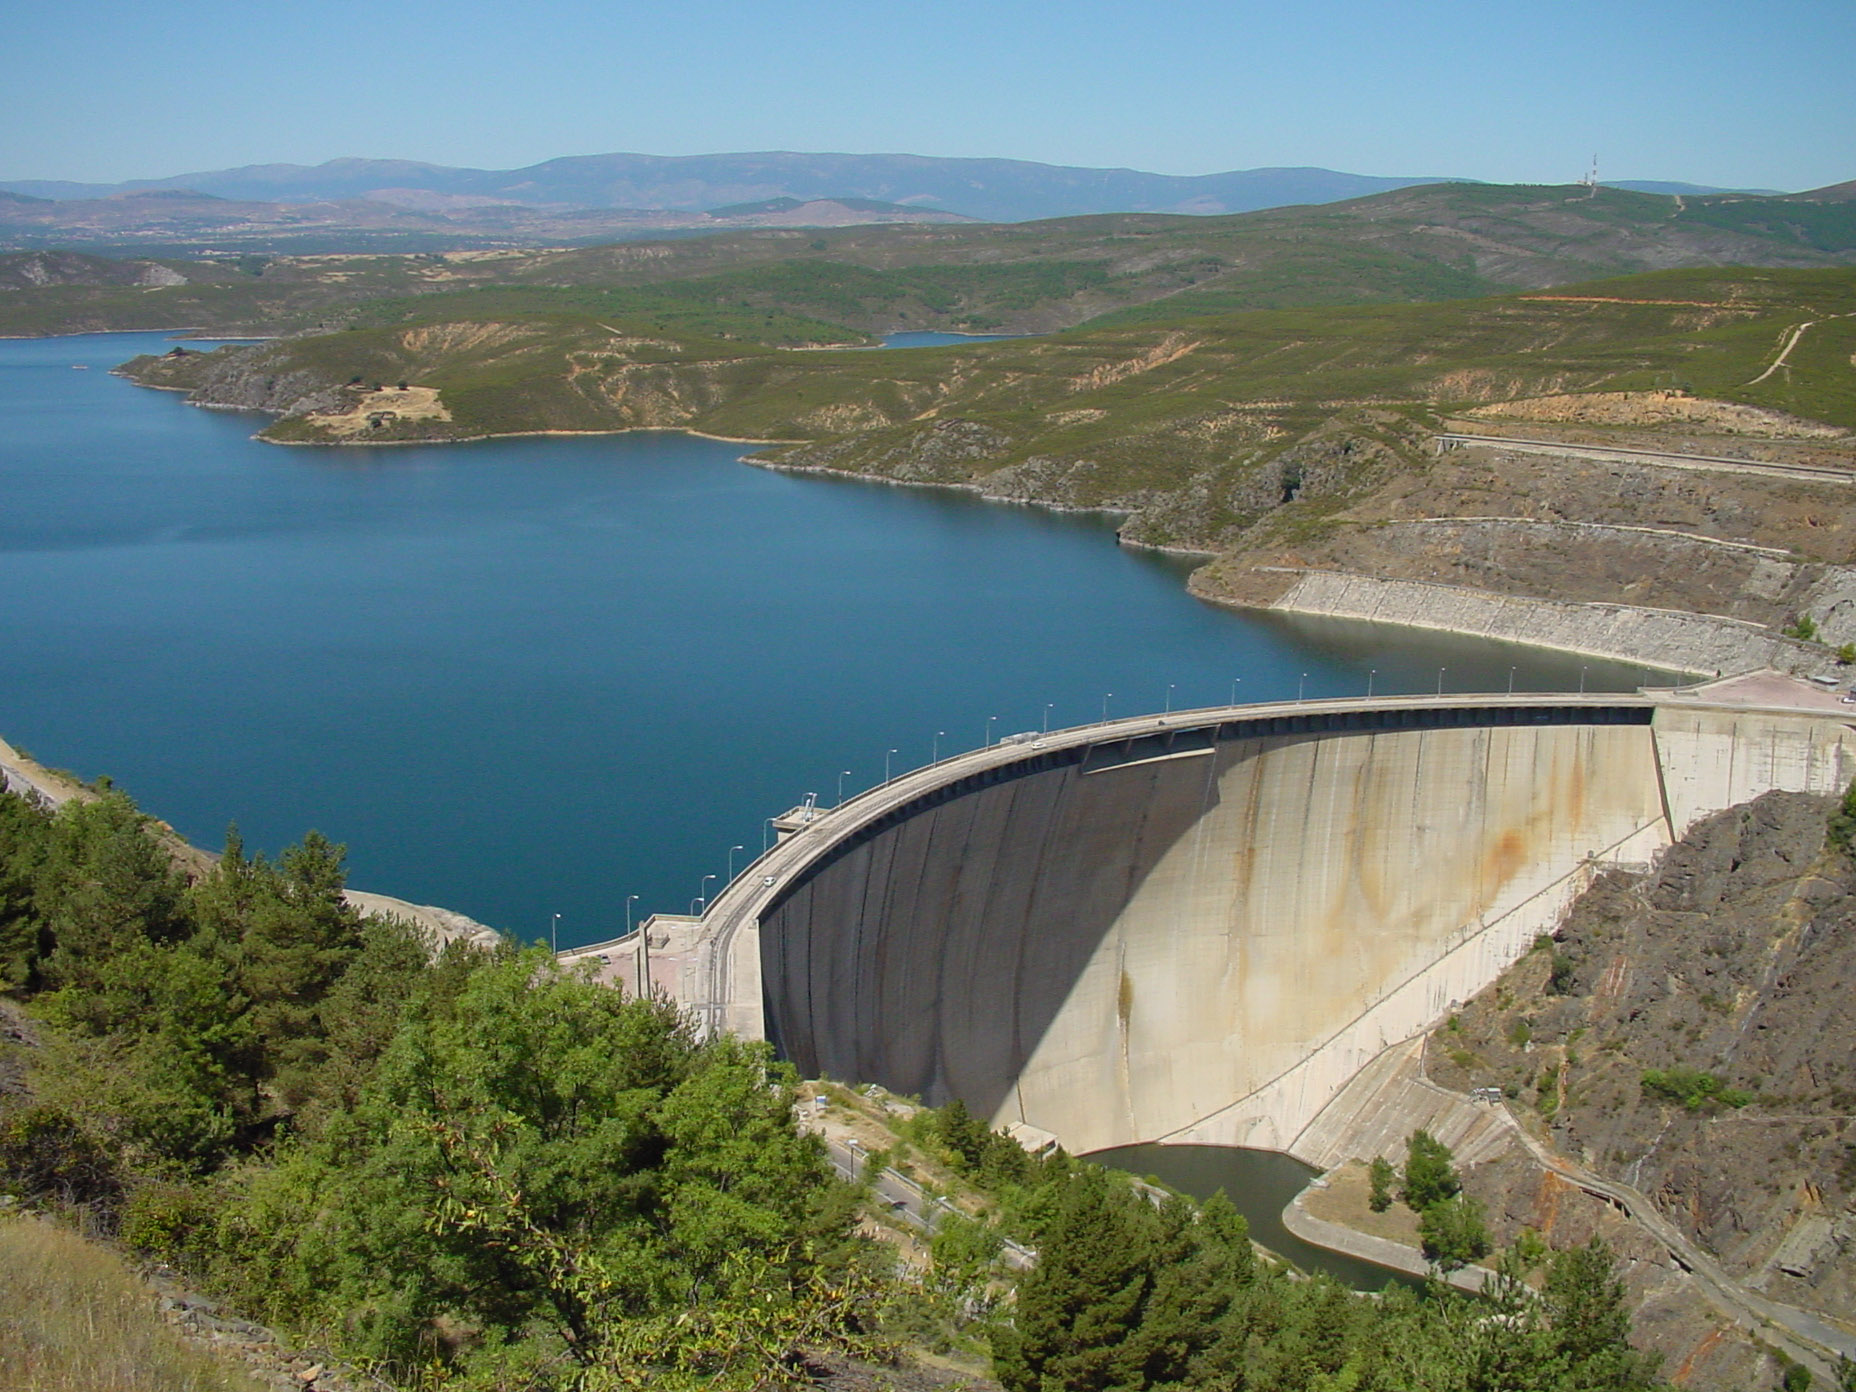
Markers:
point(1344, 1201)
point(73, 1318)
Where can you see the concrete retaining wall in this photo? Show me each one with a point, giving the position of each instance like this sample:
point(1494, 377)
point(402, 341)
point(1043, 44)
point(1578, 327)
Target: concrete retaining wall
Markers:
point(1698, 643)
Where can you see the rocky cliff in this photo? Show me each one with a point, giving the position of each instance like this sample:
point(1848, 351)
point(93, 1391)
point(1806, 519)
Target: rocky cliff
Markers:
point(1689, 1035)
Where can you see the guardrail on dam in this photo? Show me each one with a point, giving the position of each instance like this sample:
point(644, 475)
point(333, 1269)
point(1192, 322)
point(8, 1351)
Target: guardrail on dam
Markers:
point(1199, 927)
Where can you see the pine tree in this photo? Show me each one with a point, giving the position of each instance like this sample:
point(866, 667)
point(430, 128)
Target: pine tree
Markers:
point(1429, 1175)
point(1079, 1308)
point(1587, 1312)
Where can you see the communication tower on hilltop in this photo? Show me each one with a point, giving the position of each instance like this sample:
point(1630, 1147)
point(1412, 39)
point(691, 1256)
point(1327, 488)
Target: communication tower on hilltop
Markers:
point(1591, 178)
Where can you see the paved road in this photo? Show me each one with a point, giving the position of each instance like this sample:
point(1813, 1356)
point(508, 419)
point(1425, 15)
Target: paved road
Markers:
point(1616, 454)
point(904, 1198)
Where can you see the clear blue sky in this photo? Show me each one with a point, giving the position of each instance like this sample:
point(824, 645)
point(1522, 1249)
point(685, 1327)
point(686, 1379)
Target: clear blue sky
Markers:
point(1708, 92)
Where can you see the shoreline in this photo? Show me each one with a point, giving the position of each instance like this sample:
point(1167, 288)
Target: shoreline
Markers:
point(1670, 640)
point(195, 331)
point(1379, 1251)
point(1679, 641)
point(361, 442)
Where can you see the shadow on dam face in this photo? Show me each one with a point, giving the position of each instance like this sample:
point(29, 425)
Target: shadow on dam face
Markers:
point(1197, 934)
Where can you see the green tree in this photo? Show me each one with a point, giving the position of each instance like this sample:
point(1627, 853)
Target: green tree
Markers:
point(1125, 1295)
point(1380, 1177)
point(540, 1159)
point(103, 884)
point(1453, 1232)
point(25, 827)
point(1585, 1307)
point(1079, 1308)
point(362, 1012)
point(1429, 1175)
point(290, 934)
point(962, 1255)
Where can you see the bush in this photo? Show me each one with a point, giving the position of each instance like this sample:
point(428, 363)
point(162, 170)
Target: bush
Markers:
point(46, 1154)
point(1692, 1090)
point(175, 1223)
point(1841, 831)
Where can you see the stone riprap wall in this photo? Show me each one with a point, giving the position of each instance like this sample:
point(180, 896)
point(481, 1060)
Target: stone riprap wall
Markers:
point(1701, 644)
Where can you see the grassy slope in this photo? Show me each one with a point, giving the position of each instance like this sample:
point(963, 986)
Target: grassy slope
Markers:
point(75, 1319)
point(1115, 417)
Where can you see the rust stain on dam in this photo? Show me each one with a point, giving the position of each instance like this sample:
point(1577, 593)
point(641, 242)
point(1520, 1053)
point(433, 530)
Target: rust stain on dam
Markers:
point(1201, 931)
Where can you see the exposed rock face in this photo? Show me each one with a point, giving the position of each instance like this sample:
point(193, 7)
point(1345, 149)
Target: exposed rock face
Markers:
point(1734, 959)
point(242, 379)
point(32, 270)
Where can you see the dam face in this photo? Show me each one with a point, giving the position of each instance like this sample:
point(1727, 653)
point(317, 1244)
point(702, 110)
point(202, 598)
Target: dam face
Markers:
point(1200, 929)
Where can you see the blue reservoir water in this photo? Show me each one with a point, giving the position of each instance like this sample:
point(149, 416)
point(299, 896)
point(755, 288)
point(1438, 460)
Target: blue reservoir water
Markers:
point(928, 338)
point(538, 676)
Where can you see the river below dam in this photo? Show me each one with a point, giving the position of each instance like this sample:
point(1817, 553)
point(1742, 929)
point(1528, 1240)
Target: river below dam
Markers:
point(570, 676)
point(1259, 1184)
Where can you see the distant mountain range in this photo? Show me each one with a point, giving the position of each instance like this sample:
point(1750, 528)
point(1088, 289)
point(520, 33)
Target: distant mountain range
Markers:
point(994, 190)
point(353, 205)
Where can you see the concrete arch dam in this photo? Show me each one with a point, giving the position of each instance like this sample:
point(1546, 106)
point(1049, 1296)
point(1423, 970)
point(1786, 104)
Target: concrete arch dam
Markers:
point(1201, 928)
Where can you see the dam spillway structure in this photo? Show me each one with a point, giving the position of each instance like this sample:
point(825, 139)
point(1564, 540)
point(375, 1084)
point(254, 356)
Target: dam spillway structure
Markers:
point(1199, 927)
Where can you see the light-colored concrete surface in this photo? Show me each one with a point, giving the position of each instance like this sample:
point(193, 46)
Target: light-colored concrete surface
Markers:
point(1202, 927)
point(1390, 1098)
point(1702, 644)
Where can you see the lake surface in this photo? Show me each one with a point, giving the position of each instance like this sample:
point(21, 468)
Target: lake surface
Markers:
point(930, 338)
point(1259, 1184)
point(527, 677)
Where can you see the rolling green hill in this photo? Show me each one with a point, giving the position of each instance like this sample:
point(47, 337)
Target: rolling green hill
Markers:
point(1449, 241)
